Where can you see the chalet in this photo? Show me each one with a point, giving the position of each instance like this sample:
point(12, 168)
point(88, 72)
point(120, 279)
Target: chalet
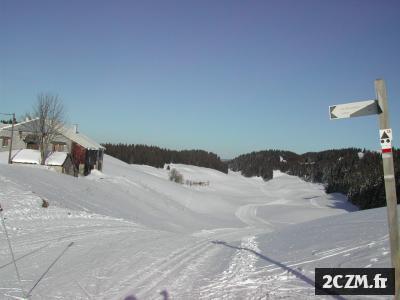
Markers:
point(85, 153)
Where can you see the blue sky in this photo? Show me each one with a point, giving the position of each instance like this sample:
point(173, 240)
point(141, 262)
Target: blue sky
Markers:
point(225, 76)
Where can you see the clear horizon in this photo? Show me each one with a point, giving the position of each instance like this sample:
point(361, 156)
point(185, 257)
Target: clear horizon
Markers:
point(228, 77)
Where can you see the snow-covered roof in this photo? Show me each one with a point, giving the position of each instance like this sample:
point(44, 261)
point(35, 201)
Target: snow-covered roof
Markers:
point(56, 159)
point(24, 126)
point(81, 139)
point(70, 133)
point(27, 156)
point(31, 156)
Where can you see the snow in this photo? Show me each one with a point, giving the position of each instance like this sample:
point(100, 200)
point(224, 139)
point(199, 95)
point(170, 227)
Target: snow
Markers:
point(277, 173)
point(360, 155)
point(134, 232)
point(31, 156)
point(27, 156)
point(282, 160)
point(56, 159)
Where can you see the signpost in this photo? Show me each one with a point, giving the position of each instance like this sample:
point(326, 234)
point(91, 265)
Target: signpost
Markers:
point(380, 107)
point(390, 182)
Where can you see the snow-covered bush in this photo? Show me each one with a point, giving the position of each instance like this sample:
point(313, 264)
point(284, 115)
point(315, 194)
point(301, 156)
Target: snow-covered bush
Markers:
point(175, 176)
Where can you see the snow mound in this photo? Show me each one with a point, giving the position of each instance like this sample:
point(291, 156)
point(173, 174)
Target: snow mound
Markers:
point(277, 173)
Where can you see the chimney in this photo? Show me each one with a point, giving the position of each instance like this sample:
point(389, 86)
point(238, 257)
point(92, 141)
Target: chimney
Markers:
point(75, 128)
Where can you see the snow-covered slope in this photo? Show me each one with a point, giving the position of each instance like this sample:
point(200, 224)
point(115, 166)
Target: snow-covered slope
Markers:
point(134, 232)
point(281, 264)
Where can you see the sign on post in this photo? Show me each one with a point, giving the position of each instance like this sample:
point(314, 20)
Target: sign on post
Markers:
point(371, 107)
point(354, 109)
point(386, 136)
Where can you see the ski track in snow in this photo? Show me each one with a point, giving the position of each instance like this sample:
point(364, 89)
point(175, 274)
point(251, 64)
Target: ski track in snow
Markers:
point(235, 282)
point(248, 215)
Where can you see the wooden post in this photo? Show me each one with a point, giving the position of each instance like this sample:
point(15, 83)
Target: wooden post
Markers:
point(11, 139)
point(390, 185)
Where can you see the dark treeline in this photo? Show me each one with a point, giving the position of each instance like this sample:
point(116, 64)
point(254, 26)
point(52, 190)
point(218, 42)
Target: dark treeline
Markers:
point(157, 157)
point(354, 172)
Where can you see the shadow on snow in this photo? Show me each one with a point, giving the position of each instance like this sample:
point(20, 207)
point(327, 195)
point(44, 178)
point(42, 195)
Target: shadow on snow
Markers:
point(296, 273)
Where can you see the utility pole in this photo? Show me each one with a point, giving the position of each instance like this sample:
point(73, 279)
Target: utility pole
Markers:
point(390, 183)
point(379, 107)
point(11, 139)
point(12, 134)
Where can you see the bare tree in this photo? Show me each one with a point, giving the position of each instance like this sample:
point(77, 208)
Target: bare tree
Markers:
point(50, 114)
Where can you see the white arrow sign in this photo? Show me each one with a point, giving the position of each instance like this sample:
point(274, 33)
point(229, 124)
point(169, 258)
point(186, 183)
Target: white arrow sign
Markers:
point(354, 109)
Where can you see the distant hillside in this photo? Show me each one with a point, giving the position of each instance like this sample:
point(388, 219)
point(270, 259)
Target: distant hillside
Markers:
point(354, 172)
point(158, 157)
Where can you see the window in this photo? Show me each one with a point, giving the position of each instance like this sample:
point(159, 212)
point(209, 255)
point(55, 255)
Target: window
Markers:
point(58, 147)
point(5, 141)
point(32, 145)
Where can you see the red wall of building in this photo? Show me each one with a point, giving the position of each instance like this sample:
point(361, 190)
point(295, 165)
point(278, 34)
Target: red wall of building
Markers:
point(78, 154)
